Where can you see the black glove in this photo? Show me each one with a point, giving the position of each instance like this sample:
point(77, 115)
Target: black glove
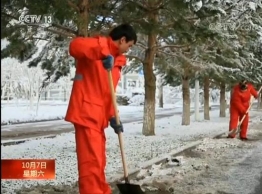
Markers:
point(117, 128)
point(108, 62)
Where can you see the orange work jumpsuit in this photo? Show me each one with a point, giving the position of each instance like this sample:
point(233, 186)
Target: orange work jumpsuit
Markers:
point(239, 104)
point(90, 108)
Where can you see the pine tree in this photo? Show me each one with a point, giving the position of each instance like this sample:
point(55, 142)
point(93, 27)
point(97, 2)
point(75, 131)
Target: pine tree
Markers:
point(155, 20)
point(68, 19)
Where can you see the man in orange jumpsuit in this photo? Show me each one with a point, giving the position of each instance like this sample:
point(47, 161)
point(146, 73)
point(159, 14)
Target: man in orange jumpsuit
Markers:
point(90, 107)
point(239, 103)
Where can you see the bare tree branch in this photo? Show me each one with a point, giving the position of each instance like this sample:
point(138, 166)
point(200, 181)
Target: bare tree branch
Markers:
point(9, 15)
point(139, 5)
point(74, 6)
point(35, 38)
point(64, 28)
point(163, 53)
point(65, 34)
point(173, 46)
point(141, 45)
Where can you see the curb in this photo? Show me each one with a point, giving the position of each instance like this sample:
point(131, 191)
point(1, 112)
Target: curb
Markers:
point(28, 122)
point(19, 141)
point(161, 159)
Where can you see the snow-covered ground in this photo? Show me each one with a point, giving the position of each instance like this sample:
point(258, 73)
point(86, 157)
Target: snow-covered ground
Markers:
point(46, 112)
point(169, 135)
point(12, 112)
point(215, 166)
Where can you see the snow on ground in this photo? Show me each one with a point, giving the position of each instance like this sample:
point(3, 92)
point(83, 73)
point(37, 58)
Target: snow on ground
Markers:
point(169, 135)
point(48, 110)
point(212, 167)
point(22, 113)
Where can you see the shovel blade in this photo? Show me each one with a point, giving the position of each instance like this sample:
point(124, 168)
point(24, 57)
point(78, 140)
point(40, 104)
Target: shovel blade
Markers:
point(234, 131)
point(126, 188)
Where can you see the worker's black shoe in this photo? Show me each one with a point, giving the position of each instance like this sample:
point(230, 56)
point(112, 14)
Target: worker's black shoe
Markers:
point(229, 136)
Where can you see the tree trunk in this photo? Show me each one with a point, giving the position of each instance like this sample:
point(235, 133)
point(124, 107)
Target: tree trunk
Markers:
point(150, 90)
point(38, 101)
point(45, 95)
point(222, 100)
point(48, 94)
point(206, 98)
point(83, 18)
point(160, 91)
point(197, 118)
point(260, 101)
point(3, 92)
point(8, 94)
point(150, 82)
point(161, 100)
point(186, 101)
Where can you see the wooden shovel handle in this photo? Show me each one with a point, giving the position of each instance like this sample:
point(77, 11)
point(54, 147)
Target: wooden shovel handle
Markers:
point(120, 135)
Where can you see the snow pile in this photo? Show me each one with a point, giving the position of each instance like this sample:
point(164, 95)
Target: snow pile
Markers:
point(137, 100)
point(164, 175)
point(170, 135)
point(13, 114)
point(172, 95)
point(132, 92)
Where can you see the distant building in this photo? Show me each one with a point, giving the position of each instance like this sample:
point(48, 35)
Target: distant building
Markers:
point(129, 83)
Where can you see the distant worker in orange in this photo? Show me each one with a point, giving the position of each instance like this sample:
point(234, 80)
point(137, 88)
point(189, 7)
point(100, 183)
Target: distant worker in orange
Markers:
point(239, 103)
point(90, 107)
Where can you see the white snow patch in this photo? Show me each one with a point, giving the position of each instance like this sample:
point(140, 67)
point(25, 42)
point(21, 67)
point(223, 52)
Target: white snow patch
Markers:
point(252, 6)
point(51, 110)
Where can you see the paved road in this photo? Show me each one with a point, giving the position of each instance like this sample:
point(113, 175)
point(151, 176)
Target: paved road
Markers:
point(31, 130)
point(246, 177)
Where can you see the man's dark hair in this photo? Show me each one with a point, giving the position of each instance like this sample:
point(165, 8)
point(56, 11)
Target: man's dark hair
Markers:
point(243, 84)
point(243, 81)
point(123, 30)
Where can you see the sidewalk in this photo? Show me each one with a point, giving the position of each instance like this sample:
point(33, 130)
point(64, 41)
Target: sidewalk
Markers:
point(170, 135)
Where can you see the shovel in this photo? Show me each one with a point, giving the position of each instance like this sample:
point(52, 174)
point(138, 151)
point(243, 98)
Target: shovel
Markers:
point(238, 130)
point(124, 188)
